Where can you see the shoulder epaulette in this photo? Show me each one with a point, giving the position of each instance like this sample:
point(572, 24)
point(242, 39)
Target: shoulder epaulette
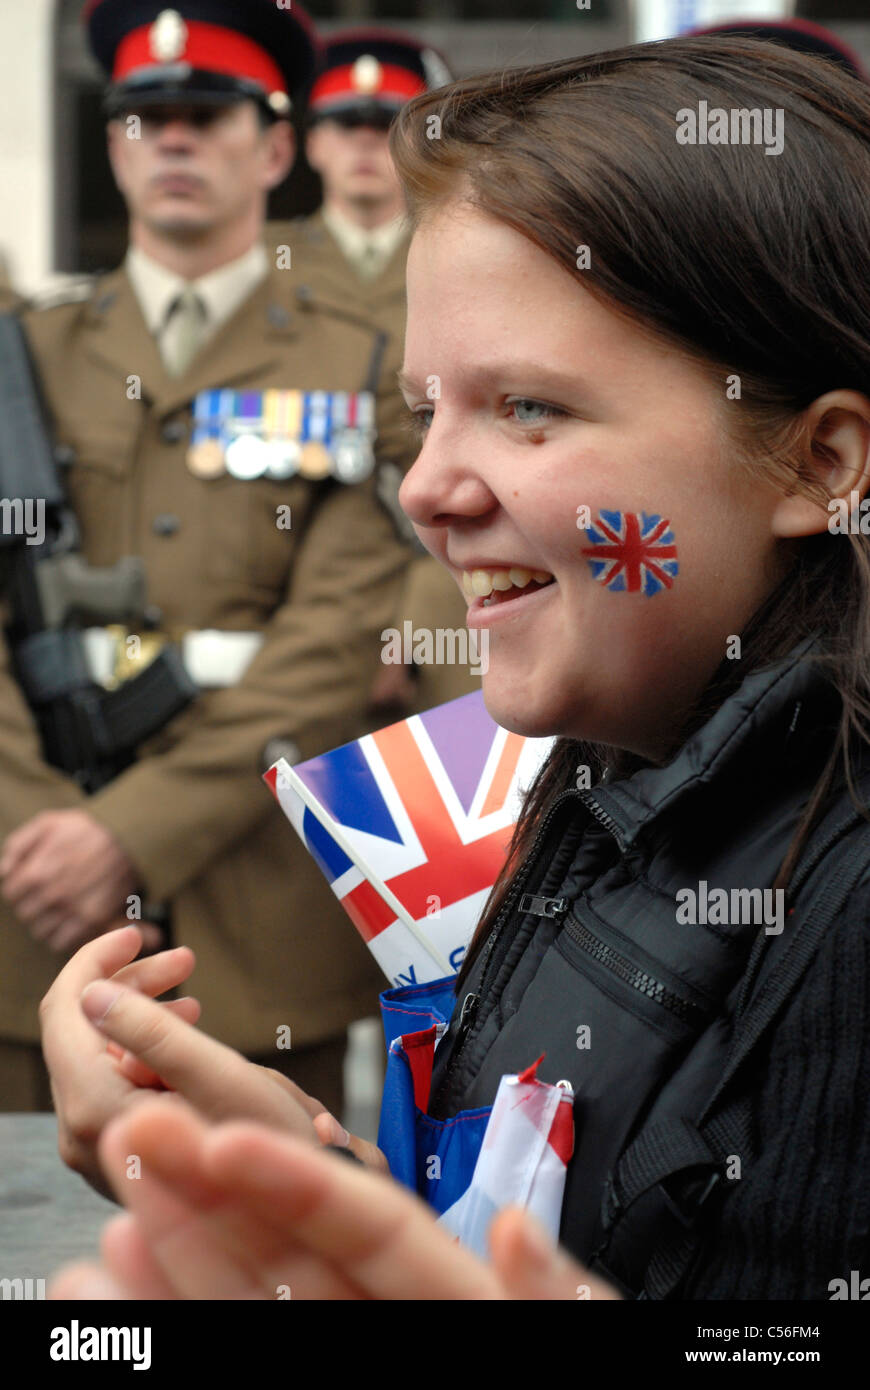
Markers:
point(76, 291)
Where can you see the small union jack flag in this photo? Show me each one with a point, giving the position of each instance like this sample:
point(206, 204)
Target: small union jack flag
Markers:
point(632, 552)
point(410, 825)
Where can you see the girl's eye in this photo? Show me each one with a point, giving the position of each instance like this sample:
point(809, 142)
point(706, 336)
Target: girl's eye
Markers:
point(418, 422)
point(548, 412)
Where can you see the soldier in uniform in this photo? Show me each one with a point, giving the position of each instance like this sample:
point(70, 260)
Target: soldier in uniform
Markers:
point(354, 249)
point(218, 423)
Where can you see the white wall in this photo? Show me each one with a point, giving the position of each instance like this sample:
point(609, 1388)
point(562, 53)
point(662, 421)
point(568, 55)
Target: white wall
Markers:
point(26, 138)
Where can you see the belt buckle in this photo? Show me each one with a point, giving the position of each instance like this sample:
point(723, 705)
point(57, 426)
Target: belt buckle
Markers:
point(134, 651)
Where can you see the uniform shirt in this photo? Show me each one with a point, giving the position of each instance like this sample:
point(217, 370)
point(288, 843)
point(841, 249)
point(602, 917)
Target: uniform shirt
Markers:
point(221, 292)
point(369, 249)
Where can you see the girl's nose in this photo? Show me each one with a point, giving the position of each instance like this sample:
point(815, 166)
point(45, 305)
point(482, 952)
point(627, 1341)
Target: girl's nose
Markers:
point(443, 485)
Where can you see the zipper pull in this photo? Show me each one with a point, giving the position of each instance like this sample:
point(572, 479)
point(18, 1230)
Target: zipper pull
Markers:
point(467, 1016)
point(543, 907)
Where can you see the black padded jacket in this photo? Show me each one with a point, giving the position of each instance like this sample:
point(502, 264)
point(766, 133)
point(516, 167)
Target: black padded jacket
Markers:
point(601, 889)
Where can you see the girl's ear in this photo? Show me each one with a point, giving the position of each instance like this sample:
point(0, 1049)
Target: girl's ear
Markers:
point(837, 457)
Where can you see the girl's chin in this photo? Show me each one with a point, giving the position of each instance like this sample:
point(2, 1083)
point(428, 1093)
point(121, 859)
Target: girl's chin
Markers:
point(515, 711)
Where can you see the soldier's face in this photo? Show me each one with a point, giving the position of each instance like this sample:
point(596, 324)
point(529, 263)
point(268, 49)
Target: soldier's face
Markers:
point(536, 402)
point(354, 163)
point(186, 170)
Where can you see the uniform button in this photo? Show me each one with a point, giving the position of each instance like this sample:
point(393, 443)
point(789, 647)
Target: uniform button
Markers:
point(152, 617)
point(173, 432)
point(278, 316)
point(166, 524)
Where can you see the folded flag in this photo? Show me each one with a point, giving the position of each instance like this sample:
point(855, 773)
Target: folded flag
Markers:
point(470, 1166)
point(523, 1160)
point(411, 825)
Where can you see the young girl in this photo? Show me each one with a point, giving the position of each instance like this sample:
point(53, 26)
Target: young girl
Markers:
point(637, 353)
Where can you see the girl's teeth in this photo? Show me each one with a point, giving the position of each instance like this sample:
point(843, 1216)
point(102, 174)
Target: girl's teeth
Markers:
point(481, 584)
point(484, 583)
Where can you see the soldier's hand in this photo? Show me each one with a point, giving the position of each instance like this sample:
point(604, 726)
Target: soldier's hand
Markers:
point(87, 1085)
point(66, 877)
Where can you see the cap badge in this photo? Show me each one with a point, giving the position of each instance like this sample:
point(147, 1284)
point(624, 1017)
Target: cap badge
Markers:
point(437, 72)
point(366, 73)
point(168, 36)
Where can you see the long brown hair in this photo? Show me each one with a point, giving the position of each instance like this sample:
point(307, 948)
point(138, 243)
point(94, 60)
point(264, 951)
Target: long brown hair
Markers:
point(753, 264)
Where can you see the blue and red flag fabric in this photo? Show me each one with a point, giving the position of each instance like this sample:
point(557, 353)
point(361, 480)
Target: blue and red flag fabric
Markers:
point(470, 1166)
point(411, 826)
point(631, 552)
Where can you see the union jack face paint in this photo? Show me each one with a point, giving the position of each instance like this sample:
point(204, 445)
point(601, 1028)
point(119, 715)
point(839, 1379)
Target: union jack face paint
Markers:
point(631, 552)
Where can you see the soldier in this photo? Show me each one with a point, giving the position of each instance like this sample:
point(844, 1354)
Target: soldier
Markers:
point(218, 424)
point(354, 249)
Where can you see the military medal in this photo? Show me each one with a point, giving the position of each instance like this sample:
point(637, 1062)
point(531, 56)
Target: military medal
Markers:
point(206, 459)
point(284, 458)
point(282, 413)
point(315, 462)
point(247, 458)
point(353, 445)
point(248, 452)
point(206, 455)
point(354, 457)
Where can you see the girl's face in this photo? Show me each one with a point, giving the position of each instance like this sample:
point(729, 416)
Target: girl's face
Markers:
point(543, 413)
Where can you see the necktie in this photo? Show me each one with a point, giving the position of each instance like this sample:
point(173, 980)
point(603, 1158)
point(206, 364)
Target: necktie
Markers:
point(369, 265)
point(184, 333)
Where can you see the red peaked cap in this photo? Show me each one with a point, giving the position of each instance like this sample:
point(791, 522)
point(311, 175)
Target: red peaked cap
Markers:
point(374, 68)
point(800, 34)
point(203, 51)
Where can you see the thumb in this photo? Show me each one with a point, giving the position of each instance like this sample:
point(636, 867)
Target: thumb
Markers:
point(531, 1267)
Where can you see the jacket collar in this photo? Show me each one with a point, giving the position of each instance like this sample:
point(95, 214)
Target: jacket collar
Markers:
point(773, 716)
point(246, 348)
point(338, 276)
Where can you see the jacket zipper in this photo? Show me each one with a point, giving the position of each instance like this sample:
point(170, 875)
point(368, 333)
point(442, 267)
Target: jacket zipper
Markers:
point(471, 1002)
point(632, 974)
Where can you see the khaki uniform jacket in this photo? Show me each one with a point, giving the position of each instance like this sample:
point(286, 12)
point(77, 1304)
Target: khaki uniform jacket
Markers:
point(430, 598)
point(273, 946)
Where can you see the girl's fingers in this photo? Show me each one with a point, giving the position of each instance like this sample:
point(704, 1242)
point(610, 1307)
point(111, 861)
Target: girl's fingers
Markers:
point(533, 1268)
point(156, 974)
point(135, 1071)
point(377, 1235)
point(128, 1259)
point(85, 1281)
point(170, 1218)
point(329, 1131)
point(209, 1243)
